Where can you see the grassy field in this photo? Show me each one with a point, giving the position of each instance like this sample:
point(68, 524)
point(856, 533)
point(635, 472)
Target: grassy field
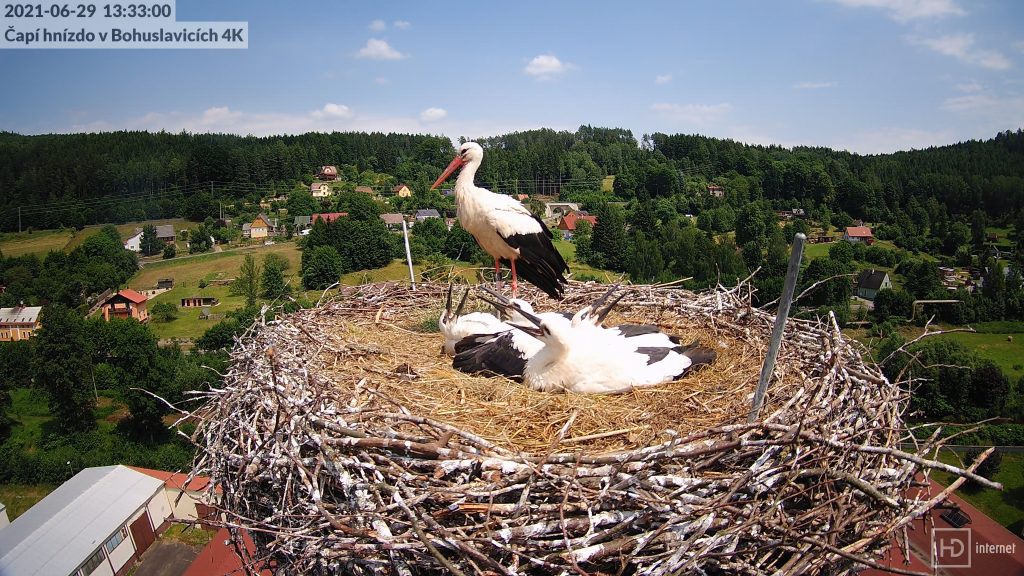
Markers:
point(39, 242)
point(20, 497)
point(128, 229)
point(188, 271)
point(568, 251)
point(994, 346)
point(190, 535)
point(1006, 507)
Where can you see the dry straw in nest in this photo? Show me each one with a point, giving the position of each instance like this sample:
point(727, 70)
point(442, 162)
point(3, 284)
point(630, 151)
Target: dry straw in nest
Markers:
point(344, 443)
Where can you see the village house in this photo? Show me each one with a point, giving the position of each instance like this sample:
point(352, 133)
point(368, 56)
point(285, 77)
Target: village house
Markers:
point(859, 234)
point(365, 190)
point(568, 222)
point(425, 213)
point(198, 301)
point(392, 220)
point(328, 217)
point(320, 189)
point(165, 233)
point(302, 222)
point(716, 191)
point(184, 496)
point(134, 242)
point(402, 191)
point(125, 304)
point(261, 227)
point(559, 209)
point(101, 521)
point(871, 282)
point(19, 322)
point(327, 173)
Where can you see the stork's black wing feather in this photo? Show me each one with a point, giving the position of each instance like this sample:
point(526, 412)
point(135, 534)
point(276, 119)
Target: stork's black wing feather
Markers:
point(539, 263)
point(654, 354)
point(496, 355)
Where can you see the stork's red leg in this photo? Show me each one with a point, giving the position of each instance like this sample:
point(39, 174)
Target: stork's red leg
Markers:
point(497, 273)
point(515, 284)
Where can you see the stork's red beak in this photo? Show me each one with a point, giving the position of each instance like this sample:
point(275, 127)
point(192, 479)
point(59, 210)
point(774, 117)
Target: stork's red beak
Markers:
point(448, 171)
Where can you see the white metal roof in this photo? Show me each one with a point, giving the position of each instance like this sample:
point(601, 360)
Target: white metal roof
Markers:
point(19, 314)
point(66, 527)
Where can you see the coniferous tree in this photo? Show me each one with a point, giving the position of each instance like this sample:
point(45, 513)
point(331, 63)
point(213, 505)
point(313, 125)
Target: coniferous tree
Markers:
point(149, 243)
point(609, 239)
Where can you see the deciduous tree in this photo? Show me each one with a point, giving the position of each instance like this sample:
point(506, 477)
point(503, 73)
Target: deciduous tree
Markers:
point(61, 367)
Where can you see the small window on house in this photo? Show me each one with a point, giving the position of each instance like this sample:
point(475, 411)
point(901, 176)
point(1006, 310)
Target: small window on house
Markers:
point(115, 540)
point(93, 562)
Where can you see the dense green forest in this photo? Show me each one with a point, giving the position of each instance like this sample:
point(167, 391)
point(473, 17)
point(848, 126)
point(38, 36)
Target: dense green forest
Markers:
point(120, 176)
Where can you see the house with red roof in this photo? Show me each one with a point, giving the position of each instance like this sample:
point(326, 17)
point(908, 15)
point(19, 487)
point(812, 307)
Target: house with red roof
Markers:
point(327, 217)
point(184, 494)
point(859, 234)
point(568, 222)
point(954, 539)
point(126, 303)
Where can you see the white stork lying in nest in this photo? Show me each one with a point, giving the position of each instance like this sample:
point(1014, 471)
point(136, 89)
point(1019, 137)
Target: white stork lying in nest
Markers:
point(584, 357)
point(455, 326)
point(504, 228)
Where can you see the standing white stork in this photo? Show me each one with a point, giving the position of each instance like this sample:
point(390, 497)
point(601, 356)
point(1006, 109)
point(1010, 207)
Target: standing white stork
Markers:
point(583, 357)
point(505, 228)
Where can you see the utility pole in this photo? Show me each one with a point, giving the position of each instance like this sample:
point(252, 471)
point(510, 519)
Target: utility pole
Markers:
point(19, 219)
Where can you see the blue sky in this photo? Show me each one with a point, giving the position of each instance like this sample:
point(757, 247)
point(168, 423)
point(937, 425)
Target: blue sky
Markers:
point(868, 76)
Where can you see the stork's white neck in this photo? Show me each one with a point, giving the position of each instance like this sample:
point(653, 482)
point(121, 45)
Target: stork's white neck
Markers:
point(465, 179)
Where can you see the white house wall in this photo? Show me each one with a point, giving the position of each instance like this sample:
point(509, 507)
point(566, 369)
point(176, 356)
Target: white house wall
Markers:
point(185, 508)
point(159, 509)
point(123, 553)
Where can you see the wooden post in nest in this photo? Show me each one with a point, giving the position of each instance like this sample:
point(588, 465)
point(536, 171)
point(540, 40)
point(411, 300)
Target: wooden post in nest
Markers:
point(780, 324)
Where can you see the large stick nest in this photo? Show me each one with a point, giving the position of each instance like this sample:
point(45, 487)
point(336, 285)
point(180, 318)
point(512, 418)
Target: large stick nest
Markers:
point(344, 443)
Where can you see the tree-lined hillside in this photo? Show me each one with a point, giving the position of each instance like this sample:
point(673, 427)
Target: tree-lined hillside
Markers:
point(146, 170)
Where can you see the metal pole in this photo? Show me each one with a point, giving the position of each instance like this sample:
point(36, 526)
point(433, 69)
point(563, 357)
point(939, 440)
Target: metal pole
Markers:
point(408, 255)
point(780, 322)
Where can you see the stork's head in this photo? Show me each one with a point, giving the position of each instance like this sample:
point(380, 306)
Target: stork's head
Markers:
point(449, 315)
point(468, 153)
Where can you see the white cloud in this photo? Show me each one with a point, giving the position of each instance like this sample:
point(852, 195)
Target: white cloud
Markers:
point(907, 10)
point(814, 85)
point(379, 50)
point(218, 115)
point(229, 121)
point(378, 26)
point(692, 113)
point(890, 139)
point(546, 67)
point(433, 114)
point(332, 110)
point(968, 102)
point(969, 87)
point(961, 47)
point(662, 78)
point(1019, 45)
point(402, 24)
